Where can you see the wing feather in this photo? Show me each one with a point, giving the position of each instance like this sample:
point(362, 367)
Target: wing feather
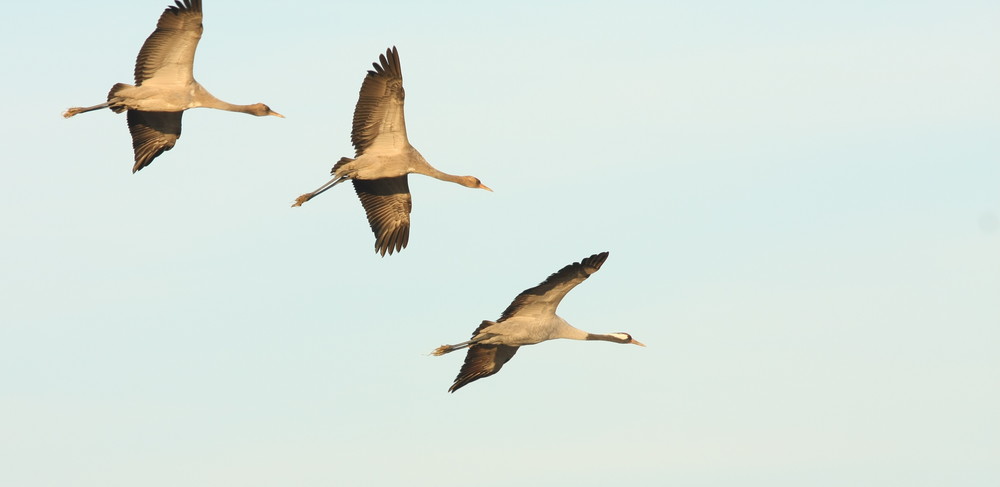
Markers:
point(378, 116)
point(387, 204)
point(167, 56)
point(482, 361)
point(152, 133)
point(551, 291)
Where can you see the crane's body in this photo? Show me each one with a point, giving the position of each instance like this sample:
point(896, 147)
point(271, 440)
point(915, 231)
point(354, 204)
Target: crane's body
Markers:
point(157, 98)
point(530, 319)
point(384, 157)
point(165, 85)
point(524, 330)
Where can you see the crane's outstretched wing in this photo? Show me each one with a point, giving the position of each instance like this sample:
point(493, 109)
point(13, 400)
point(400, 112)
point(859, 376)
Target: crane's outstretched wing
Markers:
point(167, 56)
point(482, 360)
point(387, 204)
point(152, 133)
point(551, 291)
point(378, 116)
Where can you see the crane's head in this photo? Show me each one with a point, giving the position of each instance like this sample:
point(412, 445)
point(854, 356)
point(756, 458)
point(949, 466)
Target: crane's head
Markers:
point(623, 337)
point(474, 182)
point(260, 109)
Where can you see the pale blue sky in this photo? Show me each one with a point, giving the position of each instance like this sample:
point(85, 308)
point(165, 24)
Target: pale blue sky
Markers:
point(801, 201)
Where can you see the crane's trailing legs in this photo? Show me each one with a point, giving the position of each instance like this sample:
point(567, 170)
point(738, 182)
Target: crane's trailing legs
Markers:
point(443, 349)
point(340, 174)
point(308, 196)
point(77, 110)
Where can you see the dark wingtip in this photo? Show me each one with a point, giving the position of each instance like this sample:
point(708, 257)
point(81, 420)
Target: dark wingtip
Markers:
point(596, 260)
point(394, 241)
point(395, 59)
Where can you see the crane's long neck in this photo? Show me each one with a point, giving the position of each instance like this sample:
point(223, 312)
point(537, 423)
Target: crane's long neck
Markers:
point(209, 100)
point(566, 330)
point(223, 105)
point(467, 181)
point(603, 338)
point(434, 173)
point(420, 165)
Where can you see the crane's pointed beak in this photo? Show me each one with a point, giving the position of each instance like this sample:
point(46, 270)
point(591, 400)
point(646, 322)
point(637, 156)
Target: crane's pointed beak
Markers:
point(637, 342)
point(276, 114)
point(487, 188)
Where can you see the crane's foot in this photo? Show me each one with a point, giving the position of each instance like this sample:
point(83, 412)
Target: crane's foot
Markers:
point(303, 199)
point(72, 111)
point(443, 349)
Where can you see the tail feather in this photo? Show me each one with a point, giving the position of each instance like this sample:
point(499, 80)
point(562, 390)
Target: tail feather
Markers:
point(114, 103)
point(341, 162)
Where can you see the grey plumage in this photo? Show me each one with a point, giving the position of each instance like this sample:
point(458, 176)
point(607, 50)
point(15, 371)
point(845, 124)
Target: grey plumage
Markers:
point(165, 85)
point(152, 134)
point(529, 319)
point(168, 52)
point(380, 102)
point(384, 157)
point(387, 205)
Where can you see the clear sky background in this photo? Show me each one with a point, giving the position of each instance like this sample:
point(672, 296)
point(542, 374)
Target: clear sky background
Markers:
point(801, 201)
